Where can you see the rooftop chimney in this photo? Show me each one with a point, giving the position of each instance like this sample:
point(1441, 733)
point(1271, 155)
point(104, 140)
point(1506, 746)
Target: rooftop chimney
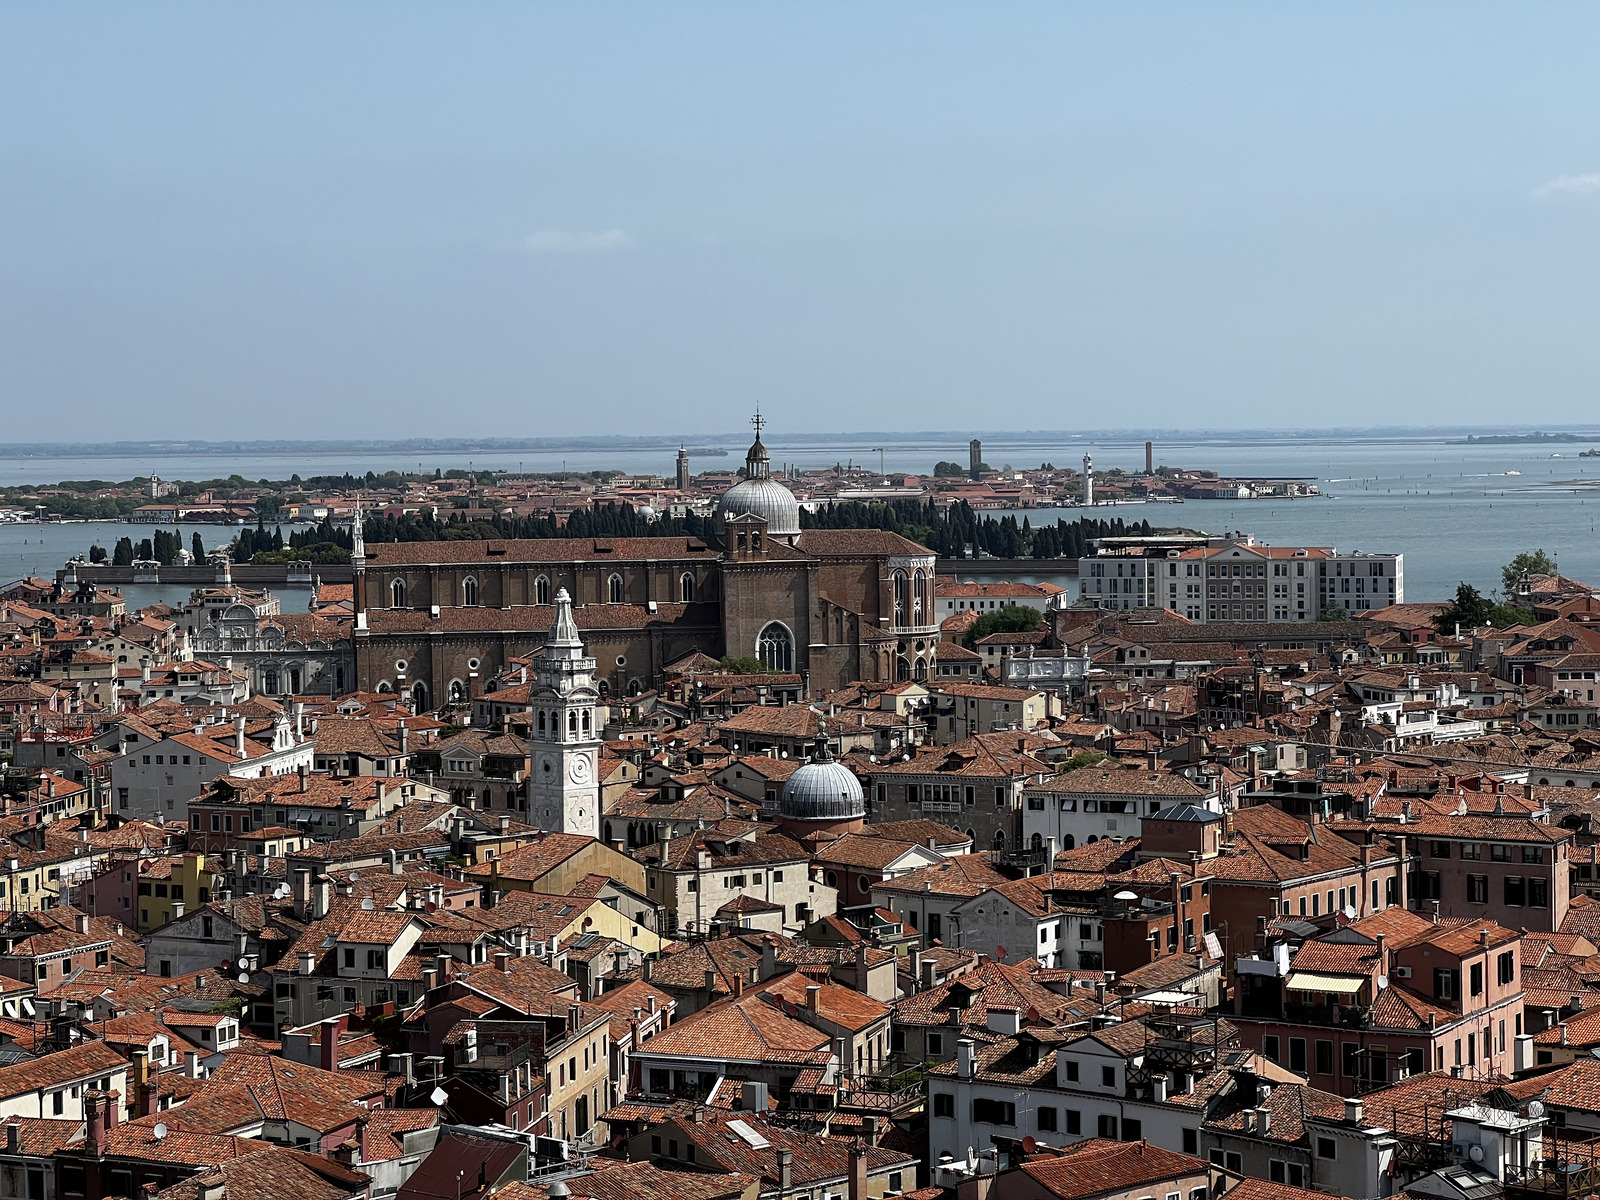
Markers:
point(966, 1059)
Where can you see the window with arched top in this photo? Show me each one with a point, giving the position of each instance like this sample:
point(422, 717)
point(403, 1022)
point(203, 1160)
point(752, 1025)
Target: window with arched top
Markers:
point(419, 697)
point(397, 593)
point(458, 693)
point(269, 683)
point(469, 591)
point(916, 597)
point(541, 722)
point(614, 589)
point(686, 588)
point(572, 722)
point(541, 590)
point(899, 597)
point(775, 648)
point(586, 720)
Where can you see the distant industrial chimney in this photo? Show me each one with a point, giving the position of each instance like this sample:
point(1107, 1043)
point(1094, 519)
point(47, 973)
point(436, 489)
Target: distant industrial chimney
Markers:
point(1149, 458)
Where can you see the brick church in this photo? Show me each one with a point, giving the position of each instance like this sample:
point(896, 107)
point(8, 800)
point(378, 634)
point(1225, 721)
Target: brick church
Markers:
point(435, 620)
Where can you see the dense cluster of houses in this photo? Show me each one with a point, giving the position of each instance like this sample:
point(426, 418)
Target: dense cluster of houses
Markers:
point(1121, 906)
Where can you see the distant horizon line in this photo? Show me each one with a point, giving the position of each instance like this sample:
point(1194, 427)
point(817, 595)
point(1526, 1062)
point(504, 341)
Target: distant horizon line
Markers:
point(500, 445)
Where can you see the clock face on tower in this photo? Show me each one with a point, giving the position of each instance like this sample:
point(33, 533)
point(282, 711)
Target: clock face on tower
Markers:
point(578, 769)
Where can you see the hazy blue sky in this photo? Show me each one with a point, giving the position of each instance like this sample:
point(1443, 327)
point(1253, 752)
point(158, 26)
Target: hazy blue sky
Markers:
point(334, 219)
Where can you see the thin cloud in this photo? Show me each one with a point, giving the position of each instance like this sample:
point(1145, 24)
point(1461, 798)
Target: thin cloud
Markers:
point(563, 241)
point(1569, 185)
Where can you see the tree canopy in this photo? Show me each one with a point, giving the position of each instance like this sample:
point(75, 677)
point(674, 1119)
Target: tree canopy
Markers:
point(1011, 618)
point(1515, 573)
point(1471, 609)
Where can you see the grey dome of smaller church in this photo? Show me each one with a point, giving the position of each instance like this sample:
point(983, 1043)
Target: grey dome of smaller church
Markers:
point(823, 791)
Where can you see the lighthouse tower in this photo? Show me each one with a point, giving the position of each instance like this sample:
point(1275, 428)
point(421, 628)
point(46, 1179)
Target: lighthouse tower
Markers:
point(1088, 481)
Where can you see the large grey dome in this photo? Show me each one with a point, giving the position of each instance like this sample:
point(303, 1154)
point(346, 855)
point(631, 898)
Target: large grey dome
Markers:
point(823, 791)
point(758, 494)
point(765, 498)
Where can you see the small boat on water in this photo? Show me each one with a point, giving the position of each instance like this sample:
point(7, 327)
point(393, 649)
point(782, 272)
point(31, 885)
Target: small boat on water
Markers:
point(1589, 453)
point(1513, 472)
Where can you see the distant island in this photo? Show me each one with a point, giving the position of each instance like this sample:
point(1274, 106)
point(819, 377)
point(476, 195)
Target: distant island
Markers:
point(1512, 439)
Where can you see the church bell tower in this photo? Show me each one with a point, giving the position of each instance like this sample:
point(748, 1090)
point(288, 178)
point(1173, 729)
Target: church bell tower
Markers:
point(564, 742)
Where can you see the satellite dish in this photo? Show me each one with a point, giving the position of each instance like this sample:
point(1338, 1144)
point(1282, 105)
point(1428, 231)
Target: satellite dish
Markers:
point(367, 905)
point(438, 1096)
point(160, 1132)
point(1383, 982)
point(1349, 912)
point(1476, 1153)
point(226, 965)
point(999, 951)
point(1029, 1145)
point(244, 976)
point(1126, 895)
point(352, 876)
point(1535, 1109)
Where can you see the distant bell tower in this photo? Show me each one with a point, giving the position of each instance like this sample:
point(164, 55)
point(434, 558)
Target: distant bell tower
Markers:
point(975, 452)
point(564, 740)
point(358, 569)
point(1088, 481)
point(683, 469)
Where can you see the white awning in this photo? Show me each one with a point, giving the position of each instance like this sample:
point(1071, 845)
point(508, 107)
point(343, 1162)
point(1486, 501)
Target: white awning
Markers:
point(1311, 981)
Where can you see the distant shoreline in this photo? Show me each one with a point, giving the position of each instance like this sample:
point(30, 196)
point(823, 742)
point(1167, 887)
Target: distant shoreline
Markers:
point(707, 443)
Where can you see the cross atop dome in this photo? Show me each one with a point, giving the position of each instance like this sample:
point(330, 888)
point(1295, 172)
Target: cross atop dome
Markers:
point(758, 421)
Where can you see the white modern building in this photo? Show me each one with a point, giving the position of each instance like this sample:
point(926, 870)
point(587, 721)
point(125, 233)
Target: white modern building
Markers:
point(1236, 578)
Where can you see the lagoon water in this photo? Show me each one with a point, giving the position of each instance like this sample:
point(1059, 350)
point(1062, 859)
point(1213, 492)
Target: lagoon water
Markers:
point(40, 550)
point(1453, 510)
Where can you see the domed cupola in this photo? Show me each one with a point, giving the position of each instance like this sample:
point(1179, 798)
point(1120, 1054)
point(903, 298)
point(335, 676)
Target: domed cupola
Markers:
point(823, 790)
point(760, 495)
point(822, 795)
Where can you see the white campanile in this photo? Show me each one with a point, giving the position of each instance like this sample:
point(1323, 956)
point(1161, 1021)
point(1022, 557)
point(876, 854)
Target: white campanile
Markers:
point(564, 745)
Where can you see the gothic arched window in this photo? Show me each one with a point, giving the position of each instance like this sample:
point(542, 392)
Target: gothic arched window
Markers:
point(614, 589)
point(397, 593)
point(899, 597)
point(457, 692)
point(775, 648)
point(916, 597)
point(541, 590)
point(469, 591)
point(686, 588)
point(419, 698)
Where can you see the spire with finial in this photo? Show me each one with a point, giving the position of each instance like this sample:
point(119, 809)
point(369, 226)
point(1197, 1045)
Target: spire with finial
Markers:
point(757, 464)
point(563, 630)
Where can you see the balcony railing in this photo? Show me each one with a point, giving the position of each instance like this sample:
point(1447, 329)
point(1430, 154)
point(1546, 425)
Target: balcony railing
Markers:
point(1349, 1016)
